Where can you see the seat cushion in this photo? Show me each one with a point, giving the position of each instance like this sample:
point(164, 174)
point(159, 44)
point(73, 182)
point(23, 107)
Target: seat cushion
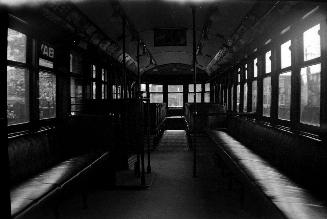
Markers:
point(27, 193)
point(293, 200)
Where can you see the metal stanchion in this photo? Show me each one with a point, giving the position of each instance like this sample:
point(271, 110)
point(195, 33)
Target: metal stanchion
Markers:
point(148, 137)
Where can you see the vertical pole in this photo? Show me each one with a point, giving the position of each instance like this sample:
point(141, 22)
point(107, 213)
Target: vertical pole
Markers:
point(138, 89)
point(5, 198)
point(148, 136)
point(142, 118)
point(195, 109)
point(124, 58)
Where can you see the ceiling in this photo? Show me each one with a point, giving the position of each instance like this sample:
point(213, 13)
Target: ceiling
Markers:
point(220, 19)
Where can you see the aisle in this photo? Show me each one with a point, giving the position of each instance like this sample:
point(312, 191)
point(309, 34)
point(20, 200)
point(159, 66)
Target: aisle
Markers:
point(174, 192)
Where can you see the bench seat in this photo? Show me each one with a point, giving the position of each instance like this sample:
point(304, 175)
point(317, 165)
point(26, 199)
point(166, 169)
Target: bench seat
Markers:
point(29, 193)
point(289, 198)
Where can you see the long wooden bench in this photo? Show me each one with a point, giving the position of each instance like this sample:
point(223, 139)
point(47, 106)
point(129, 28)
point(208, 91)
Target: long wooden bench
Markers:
point(45, 163)
point(259, 169)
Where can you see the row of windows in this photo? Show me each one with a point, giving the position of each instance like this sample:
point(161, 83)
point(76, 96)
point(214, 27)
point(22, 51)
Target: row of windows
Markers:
point(18, 80)
point(31, 86)
point(282, 72)
point(175, 94)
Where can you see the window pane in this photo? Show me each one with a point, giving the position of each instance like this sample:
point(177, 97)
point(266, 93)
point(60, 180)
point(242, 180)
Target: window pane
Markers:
point(103, 75)
point(16, 50)
point(232, 97)
point(17, 95)
point(94, 72)
point(268, 62)
point(156, 98)
point(76, 95)
point(155, 88)
point(47, 95)
point(266, 96)
point(284, 97)
point(175, 99)
point(246, 71)
point(254, 96)
point(191, 97)
point(255, 67)
point(286, 54)
point(75, 63)
point(94, 90)
point(207, 87)
point(245, 98)
point(45, 63)
point(207, 97)
point(310, 94)
point(118, 92)
point(103, 91)
point(114, 91)
point(311, 43)
point(238, 78)
point(191, 88)
point(238, 97)
point(143, 87)
point(175, 88)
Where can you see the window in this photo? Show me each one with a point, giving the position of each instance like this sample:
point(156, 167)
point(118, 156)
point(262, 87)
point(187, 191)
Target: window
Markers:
point(114, 92)
point(266, 96)
point(17, 79)
point(175, 95)
point(76, 83)
point(47, 82)
point(156, 95)
point(207, 93)
point(119, 92)
point(76, 95)
point(104, 83)
point(16, 50)
point(47, 94)
point(254, 95)
point(268, 62)
point(143, 89)
point(284, 97)
point(238, 97)
point(255, 67)
point(93, 81)
point(191, 93)
point(232, 98)
point(311, 43)
point(246, 72)
point(286, 58)
point(245, 99)
point(310, 95)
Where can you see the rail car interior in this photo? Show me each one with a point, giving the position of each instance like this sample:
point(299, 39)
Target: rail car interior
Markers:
point(163, 109)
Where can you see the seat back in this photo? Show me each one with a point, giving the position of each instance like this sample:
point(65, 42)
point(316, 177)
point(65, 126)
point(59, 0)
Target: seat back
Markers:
point(30, 154)
point(301, 158)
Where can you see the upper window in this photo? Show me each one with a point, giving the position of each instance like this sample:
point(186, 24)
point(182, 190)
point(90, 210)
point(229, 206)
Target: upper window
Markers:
point(175, 95)
point(47, 94)
point(268, 61)
point(255, 67)
point(191, 93)
point(284, 95)
point(16, 50)
point(311, 43)
point(286, 54)
point(266, 96)
point(17, 79)
point(245, 97)
point(254, 95)
point(156, 95)
point(246, 72)
point(207, 93)
point(310, 94)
